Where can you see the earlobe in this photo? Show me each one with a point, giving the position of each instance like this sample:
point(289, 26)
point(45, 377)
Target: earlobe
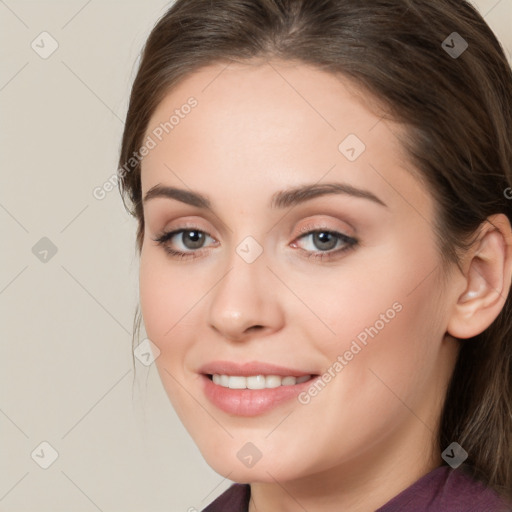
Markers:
point(487, 279)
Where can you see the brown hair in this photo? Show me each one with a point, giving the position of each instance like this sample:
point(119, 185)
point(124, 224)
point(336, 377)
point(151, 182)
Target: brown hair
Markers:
point(458, 115)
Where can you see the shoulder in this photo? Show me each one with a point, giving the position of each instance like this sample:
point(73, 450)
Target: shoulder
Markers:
point(442, 490)
point(447, 490)
point(234, 499)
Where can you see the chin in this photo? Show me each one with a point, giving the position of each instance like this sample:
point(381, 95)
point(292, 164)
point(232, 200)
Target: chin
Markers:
point(266, 469)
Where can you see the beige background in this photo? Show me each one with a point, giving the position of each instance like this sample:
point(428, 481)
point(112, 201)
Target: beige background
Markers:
point(66, 373)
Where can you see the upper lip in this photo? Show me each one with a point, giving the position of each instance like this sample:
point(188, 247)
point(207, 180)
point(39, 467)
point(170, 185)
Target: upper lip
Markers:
point(249, 368)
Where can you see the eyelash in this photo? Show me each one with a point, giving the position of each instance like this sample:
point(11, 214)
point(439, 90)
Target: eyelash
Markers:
point(350, 243)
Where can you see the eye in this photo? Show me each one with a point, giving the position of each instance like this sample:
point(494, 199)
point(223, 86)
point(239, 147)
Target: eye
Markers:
point(325, 243)
point(186, 242)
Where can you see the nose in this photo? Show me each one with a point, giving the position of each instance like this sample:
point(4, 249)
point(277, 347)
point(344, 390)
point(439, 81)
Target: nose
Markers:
point(245, 301)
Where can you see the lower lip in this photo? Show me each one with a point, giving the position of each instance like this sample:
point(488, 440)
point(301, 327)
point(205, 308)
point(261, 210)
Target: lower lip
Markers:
point(250, 402)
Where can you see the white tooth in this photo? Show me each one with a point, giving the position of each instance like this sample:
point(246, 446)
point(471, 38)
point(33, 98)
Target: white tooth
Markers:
point(256, 382)
point(236, 382)
point(272, 381)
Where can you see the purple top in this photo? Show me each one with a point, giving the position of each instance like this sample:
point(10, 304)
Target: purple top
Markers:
point(442, 490)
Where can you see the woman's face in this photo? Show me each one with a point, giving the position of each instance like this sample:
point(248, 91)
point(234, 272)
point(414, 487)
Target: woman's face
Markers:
point(311, 249)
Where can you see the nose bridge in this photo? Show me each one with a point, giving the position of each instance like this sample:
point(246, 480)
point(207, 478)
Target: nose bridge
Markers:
point(243, 297)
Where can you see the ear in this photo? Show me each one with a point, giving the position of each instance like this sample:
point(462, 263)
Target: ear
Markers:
point(486, 279)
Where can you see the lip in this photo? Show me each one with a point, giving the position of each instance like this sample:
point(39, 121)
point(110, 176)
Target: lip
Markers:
point(251, 368)
point(250, 402)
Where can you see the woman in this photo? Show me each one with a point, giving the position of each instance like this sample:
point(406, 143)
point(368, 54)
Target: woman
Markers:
point(326, 249)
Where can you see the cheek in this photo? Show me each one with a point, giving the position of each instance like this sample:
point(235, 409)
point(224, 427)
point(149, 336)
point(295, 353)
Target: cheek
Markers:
point(167, 300)
point(155, 300)
point(165, 296)
point(384, 355)
point(385, 314)
point(366, 291)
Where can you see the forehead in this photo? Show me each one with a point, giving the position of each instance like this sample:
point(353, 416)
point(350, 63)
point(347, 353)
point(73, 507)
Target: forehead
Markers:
point(275, 94)
point(268, 122)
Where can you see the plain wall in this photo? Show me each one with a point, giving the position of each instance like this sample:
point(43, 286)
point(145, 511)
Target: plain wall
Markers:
point(66, 373)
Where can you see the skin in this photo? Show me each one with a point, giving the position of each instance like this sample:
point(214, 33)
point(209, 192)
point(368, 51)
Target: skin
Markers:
point(260, 128)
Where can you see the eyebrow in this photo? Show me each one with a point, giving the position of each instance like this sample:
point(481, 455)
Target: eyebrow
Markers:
point(281, 199)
